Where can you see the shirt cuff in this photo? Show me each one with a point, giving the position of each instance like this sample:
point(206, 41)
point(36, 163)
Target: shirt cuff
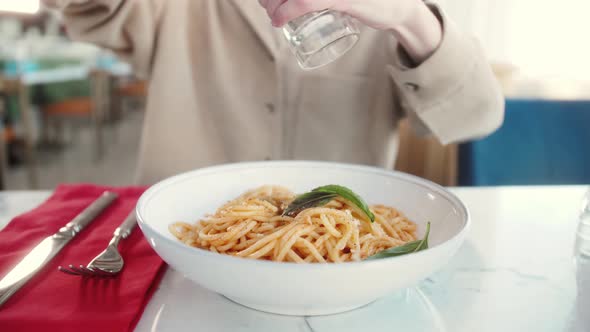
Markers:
point(438, 76)
point(453, 94)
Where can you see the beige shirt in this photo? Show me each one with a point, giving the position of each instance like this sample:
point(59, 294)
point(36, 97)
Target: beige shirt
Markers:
point(224, 87)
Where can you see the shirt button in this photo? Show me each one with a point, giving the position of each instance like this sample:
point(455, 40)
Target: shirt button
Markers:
point(270, 107)
point(411, 86)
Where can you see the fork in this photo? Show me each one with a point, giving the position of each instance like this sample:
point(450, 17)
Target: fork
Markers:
point(109, 262)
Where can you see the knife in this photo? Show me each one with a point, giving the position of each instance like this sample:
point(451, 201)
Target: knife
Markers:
point(47, 249)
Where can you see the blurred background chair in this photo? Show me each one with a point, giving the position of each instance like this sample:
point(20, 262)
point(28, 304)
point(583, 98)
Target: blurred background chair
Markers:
point(88, 103)
point(128, 94)
point(426, 157)
point(541, 142)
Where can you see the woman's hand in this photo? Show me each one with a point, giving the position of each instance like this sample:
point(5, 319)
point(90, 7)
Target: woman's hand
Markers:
point(411, 21)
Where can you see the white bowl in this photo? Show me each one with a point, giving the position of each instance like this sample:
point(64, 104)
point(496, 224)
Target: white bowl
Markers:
point(301, 289)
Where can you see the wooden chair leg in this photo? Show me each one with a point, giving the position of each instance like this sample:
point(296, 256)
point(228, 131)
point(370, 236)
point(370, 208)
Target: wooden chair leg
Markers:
point(3, 148)
point(60, 135)
point(27, 119)
point(3, 159)
point(45, 136)
point(99, 86)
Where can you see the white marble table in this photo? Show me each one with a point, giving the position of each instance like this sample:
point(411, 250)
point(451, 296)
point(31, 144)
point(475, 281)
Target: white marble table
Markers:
point(514, 273)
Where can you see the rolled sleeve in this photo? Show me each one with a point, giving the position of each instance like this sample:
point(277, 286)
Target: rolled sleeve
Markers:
point(453, 93)
point(127, 27)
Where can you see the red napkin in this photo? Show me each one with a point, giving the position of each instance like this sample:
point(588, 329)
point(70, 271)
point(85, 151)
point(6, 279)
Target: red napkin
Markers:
point(54, 301)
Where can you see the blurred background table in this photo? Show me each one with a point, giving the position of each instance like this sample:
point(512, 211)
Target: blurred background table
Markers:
point(515, 272)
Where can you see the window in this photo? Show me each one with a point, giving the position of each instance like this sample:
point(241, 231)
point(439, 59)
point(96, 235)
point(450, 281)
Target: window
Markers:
point(20, 6)
point(544, 38)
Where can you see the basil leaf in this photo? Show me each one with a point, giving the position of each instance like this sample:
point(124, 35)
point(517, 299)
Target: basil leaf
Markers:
point(308, 200)
point(424, 244)
point(407, 248)
point(348, 195)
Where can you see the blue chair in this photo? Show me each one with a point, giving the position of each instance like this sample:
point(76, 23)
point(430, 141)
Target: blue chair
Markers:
point(541, 142)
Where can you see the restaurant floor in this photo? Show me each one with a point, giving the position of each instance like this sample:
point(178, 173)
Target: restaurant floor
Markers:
point(76, 161)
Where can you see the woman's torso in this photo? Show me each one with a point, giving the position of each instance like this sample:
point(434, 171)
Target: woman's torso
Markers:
point(225, 88)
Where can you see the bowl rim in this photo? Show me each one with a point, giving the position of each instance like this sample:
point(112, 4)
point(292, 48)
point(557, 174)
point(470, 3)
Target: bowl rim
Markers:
point(152, 190)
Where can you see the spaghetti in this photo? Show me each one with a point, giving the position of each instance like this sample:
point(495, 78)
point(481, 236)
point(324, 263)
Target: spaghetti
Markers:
point(251, 226)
